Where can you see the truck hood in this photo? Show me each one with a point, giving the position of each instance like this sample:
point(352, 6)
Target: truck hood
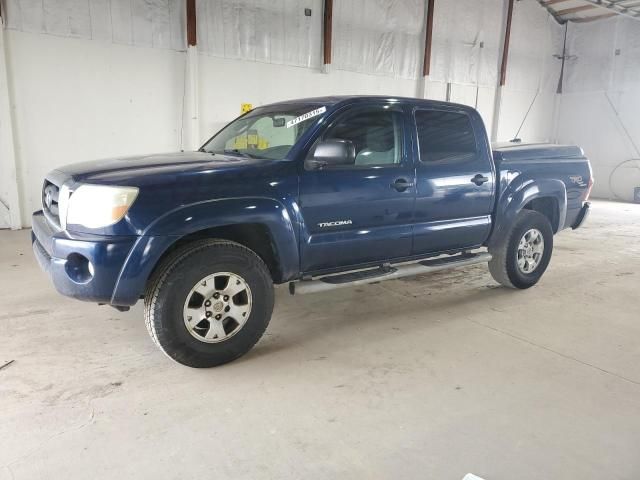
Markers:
point(140, 169)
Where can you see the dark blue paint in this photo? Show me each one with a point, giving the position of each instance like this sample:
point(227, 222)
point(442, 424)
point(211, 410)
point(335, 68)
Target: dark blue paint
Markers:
point(382, 216)
point(107, 254)
point(183, 193)
point(451, 212)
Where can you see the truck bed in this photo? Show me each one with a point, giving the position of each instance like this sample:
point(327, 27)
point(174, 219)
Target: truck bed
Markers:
point(518, 164)
point(536, 152)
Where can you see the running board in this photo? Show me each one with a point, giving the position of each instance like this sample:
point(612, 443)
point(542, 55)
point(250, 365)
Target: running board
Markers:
point(386, 272)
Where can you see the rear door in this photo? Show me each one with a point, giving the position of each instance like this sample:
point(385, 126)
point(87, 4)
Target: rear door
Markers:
point(455, 180)
point(361, 213)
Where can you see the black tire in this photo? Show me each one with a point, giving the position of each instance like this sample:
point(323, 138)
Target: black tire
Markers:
point(504, 264)
point(170, 286)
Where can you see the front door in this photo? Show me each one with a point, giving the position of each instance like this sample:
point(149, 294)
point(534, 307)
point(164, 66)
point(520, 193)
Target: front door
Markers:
point(455, 181)
point(361, 213)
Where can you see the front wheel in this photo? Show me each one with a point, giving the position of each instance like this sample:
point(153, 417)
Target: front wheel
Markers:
point(523, 256)
point(209, 303)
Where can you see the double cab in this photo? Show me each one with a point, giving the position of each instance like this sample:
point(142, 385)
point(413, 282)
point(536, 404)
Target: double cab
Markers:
point(319, 193)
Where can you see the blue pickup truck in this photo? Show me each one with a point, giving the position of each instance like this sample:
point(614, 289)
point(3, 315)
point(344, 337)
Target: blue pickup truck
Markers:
point(320, 193)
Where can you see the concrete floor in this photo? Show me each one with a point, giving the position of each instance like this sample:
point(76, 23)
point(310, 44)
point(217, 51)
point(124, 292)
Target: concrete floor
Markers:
point(426, 378)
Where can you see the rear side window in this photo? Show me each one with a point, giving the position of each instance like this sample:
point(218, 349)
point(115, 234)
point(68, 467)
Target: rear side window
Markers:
point(445, 136)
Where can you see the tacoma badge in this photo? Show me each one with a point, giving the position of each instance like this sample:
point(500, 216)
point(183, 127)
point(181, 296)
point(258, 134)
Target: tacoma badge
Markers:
point(337, 223)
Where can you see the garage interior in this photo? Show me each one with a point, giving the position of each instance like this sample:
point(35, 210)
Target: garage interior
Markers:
point(434, 376)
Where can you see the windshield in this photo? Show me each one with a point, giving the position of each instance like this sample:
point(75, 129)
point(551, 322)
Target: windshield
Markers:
point(267, 132)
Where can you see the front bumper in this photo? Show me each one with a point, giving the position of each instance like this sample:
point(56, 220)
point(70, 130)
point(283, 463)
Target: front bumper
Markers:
point(582, 216)
point(85, 267)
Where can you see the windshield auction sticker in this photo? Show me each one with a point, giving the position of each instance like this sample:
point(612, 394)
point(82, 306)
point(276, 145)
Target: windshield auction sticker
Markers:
point(306, 116)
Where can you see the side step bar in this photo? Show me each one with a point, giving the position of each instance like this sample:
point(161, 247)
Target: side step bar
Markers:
point(386, 272)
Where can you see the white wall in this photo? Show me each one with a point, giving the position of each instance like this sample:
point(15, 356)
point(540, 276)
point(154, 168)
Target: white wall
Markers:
point(9, 195)
point(467, 46)
point(532, 75)
point(77, 97)
point(601, 100)
point(225, 83)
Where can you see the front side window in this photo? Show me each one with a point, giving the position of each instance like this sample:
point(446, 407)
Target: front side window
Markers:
point(375, 132)
point(267, 132)
point(445, 136)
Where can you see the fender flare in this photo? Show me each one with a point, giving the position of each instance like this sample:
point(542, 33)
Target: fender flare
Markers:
point(516, 196)
point(163, 232)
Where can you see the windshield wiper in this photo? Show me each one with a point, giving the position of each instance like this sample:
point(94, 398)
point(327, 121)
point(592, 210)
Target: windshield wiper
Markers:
point(235, 151)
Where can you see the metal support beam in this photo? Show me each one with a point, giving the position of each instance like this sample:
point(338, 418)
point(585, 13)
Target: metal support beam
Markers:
point(7, 140)
point(327, 33)
point(505, 47)
point(191, 122)
point(497, 105)
point(426, 62)
point(191, 23)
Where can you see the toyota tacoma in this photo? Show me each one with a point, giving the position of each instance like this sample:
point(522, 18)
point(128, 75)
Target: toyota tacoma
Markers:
point(319, 193)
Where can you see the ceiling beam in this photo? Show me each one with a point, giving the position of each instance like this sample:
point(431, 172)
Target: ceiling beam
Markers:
point(593, 18)
point(551, 12)
point(568, 11)
point(628, 8)
point(614, 7)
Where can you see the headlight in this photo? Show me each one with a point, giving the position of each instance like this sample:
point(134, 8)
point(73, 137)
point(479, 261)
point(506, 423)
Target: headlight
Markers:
point(63, 205)
point(95, 206)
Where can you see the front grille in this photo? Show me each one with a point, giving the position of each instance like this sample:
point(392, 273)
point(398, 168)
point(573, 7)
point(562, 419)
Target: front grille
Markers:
point(50, 206)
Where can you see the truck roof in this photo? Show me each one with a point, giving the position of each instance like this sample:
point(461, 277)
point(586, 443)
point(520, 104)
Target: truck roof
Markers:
point(333, 100)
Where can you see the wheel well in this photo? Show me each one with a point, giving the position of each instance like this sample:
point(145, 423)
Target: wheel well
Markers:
point(547, 206)
point(253, 236)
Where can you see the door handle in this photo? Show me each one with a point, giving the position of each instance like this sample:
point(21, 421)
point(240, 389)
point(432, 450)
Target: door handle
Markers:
point(401, 184)
point(479, 179)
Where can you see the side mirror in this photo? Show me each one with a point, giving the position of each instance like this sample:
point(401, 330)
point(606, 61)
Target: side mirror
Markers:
point(331, 153)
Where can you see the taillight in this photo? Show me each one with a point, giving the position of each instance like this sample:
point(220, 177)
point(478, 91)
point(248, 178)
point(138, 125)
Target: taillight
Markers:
point(589, 187)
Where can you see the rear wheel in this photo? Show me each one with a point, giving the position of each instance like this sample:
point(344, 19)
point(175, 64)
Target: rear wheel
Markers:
point(522, 258)
point(209, 303)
